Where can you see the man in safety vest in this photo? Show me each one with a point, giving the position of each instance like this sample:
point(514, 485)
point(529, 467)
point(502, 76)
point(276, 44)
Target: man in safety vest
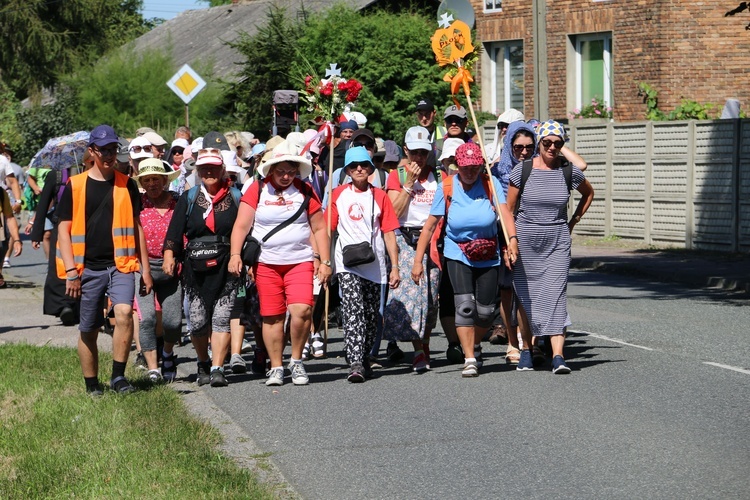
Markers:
point(100, 243)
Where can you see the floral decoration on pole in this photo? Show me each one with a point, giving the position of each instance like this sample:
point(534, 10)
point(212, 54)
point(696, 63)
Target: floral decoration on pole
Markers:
point(328, 96)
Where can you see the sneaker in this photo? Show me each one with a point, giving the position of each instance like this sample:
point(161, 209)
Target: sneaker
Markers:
point(121, 385)
point(318, 348)
point(299, 375)
point(140, 362)
point(155, 376)
point(559, 367)
point(454, 353)
point(204, 373)
point(247, 346)
point(419, 364)
point(356, 374)
point(237, 364)
point(526, 363)
point(478, 355)
point(169, 367)
point(218, 379)
point(6, 263)
point(470, 369)
point(426, 349)
point(393, 352)
point(275, 376)
point(258, 365)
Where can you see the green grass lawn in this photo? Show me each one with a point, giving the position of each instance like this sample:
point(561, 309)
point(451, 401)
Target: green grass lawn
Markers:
point(56, 441)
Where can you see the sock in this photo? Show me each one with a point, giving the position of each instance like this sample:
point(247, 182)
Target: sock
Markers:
point(165, 354)
point(118, 369)
point(296, 361)
point(91, 383)
point(217, 368)
point(470, 360)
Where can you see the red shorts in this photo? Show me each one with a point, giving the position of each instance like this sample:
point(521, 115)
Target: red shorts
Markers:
point(281, 285)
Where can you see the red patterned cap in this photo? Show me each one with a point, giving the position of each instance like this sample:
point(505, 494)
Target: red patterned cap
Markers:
point(469, 154)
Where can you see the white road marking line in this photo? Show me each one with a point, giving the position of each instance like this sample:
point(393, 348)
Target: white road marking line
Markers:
point(727, 367)
point(610, 339)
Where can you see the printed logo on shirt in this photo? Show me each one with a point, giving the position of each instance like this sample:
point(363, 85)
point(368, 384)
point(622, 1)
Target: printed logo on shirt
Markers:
point(421, 195)
point(278, 202)
point(356, 212)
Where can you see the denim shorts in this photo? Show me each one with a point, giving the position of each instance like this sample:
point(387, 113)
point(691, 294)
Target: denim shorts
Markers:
point(94, 284)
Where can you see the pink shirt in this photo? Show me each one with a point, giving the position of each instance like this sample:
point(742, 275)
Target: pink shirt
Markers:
point(155, 225)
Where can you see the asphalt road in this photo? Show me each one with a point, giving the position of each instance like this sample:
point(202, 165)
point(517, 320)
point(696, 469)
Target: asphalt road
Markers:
point(656, 407)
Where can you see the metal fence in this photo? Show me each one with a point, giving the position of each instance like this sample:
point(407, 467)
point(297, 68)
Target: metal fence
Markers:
point(686, 183)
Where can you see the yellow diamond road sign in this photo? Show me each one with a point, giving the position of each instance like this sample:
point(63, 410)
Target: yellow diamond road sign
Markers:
point(186, 83)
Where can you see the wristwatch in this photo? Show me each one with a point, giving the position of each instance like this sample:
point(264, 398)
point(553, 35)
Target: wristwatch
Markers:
point(326, 263)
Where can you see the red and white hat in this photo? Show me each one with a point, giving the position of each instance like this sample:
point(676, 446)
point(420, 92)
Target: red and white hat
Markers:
point(469, 154)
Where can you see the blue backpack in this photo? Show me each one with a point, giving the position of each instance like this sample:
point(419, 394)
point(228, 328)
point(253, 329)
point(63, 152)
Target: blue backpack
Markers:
point(193, 194)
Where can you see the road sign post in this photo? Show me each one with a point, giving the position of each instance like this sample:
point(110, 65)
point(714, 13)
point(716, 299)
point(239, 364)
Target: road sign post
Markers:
point(186, 83)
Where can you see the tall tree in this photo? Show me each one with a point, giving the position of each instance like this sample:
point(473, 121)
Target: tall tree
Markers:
point(43, 39)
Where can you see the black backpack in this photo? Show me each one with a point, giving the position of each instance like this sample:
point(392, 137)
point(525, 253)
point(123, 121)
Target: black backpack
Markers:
point(526, 169)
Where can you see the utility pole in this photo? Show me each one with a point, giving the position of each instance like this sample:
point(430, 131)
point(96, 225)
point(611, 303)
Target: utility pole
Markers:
point(541, 82)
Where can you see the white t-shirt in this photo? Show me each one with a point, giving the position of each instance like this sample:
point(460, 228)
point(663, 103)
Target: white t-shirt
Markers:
point(291, 245)
point(423, 193)
point(351, 214)
point(5, 170)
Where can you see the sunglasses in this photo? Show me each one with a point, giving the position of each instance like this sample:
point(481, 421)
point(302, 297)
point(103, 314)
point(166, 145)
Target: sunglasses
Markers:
point(454, 120)
point(138, 149)
point(517, 148)
point(178, 151)
point(357, 166)
point(366, 144)
point(558, 144)
point(284, 173)
point(107, 151)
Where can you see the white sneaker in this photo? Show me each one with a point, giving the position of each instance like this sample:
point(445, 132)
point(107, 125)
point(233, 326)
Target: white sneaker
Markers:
point(470, 369)
point(299, 375)
point(275, 376)
point(6, 263)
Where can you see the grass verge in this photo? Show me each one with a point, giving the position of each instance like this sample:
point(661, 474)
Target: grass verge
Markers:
point(55, 441)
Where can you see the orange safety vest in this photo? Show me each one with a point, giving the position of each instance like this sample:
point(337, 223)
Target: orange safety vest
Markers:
point(123, 226)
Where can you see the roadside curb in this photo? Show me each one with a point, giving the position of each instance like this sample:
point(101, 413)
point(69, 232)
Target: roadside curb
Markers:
point(660, 272)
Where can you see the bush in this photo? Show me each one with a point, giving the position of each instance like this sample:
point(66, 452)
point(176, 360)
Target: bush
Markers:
point(596, 109)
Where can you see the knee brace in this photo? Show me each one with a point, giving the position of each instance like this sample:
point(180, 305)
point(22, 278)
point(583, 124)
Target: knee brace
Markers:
point(466, 309)
point(485, 315)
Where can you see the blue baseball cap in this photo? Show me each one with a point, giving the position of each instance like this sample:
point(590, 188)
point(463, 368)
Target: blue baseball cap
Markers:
point(103, 135)
point(357, 154)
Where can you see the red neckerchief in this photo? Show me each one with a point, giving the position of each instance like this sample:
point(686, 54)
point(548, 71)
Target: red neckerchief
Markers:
point(210, 223)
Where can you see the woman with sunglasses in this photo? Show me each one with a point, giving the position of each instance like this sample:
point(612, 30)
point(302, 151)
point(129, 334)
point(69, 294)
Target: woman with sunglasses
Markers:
point(363, 216)
point(540, 277)
point(204, 215)
point(288, 259)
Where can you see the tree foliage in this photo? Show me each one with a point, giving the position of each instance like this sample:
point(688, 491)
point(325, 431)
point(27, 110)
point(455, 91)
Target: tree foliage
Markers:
point(389, 53)
point(40, 40)
point(129, 90)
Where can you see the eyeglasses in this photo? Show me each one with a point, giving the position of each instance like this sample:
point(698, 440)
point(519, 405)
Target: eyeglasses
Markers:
point(517, 148)
point(107, 151)
point(138, 149)
point(284, 173)
point(558, 144)
point(357, 166)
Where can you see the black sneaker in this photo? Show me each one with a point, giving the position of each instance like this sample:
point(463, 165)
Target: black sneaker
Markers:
point(140, 362)
point(204, 373)
point(258, 366)
point(454, 354)
point(393, 352)
point(218, 379)
point(169, 367)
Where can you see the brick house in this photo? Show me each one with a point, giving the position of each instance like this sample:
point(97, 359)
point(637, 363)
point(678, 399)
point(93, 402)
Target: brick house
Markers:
point(604, 48)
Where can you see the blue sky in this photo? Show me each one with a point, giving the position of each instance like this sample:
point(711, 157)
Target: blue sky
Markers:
point(167, 9)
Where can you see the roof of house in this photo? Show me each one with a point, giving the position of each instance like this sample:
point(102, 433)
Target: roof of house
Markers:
point(200, 35)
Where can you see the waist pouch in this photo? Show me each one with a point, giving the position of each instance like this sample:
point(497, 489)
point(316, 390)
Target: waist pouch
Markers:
point(358, 254)
point(411, 235)
point(479, 250)
point(206, 254)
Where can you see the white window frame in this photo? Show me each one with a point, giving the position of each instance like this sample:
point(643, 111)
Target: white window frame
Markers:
point(494, 48)
point(493, 9)
point(607, 38)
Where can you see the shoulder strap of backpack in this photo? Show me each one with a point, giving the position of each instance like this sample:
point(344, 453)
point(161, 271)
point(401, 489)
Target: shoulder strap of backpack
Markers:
point(448, 193)
point(401, 174)
point(383, 178)
point(568, 173)
point(236, 194)
point(342, 176)
point(191, 197)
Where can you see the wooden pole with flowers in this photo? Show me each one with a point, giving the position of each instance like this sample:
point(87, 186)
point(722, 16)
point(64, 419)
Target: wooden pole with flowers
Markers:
point(328, 96)
point(452, 46)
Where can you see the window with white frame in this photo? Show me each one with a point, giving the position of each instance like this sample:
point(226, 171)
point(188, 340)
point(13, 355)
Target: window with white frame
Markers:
point(593, 53)
point(506, 68)
point(493, 5)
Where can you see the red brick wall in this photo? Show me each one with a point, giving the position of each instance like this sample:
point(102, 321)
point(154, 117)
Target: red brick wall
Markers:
point(683, 48)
